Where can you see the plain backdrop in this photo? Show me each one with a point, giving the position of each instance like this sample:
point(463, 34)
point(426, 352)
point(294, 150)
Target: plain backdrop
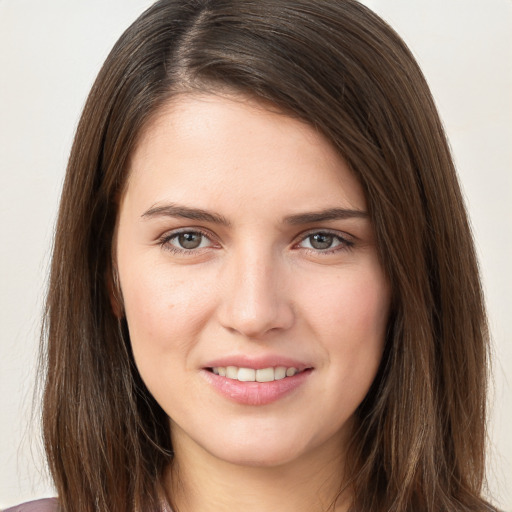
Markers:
point(50, 53)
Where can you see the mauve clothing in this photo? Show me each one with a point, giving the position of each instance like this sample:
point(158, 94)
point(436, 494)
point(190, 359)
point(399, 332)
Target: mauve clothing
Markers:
point(46, 505)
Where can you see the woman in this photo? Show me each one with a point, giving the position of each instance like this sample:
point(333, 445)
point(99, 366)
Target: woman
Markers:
point(263, 287)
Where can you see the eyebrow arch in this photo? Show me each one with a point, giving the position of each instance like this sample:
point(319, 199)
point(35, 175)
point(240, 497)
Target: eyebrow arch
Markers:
point(174, 210)
point(325, 215)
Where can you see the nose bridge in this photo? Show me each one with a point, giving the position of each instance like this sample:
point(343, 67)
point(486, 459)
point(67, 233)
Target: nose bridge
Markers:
point(254, 299)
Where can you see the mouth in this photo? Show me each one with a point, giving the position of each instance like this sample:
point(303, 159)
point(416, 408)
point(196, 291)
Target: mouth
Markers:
point(256, 386)
point(243, 374)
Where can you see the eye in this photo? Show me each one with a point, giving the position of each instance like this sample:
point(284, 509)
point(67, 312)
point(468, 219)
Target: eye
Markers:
point(186, 241)
point(324, 241)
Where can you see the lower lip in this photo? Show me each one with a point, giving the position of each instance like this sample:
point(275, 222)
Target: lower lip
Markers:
point(255, 393)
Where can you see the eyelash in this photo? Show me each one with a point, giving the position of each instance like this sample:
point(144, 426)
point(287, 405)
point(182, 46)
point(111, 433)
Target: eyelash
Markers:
point(344, 244)
point(165, 241)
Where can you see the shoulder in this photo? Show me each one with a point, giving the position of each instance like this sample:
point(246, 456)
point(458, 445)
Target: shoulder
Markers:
point(45, 505)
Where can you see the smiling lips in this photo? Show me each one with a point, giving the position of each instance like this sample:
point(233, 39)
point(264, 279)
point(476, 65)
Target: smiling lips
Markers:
point(255, 386)
point(252, 375)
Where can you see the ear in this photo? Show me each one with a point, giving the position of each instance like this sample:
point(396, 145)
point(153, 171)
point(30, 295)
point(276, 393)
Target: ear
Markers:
point(114, 292)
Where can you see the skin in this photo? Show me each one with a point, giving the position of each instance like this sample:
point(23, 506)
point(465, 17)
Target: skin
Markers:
point(257, 285)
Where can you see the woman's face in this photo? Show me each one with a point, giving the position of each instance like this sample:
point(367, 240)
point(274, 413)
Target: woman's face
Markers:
point(254, 296)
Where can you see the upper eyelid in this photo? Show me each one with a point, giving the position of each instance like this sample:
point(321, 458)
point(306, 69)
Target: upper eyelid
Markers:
point(169, 234)
point(340, 234)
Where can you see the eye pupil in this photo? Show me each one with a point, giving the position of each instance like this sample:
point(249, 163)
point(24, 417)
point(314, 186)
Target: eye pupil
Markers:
point(189, 240)
point(321, 240)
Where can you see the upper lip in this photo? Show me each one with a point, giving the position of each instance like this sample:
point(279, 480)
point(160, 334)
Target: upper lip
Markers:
point(257, 363)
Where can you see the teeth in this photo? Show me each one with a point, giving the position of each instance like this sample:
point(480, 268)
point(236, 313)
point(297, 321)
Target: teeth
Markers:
point(263, 375)
point(232, 372)
point(246, 374)
point(290, 372)
point(252, 375)
point(279, 373)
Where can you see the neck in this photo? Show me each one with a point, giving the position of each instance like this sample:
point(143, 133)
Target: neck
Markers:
point(197, 481)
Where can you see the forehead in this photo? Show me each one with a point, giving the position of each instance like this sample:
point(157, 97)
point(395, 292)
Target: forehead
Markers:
point(232, 151)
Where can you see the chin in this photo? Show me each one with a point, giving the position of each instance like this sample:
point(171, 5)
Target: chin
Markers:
point(263, 445)
point(265, 455)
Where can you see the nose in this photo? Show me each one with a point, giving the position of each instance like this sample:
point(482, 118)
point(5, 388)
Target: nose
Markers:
point(255, 301)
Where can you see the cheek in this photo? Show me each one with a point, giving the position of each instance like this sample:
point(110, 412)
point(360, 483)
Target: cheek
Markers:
point(354, 303)
point(350, 316)
point(164, 309)
point(365, 311)
point(165, 312)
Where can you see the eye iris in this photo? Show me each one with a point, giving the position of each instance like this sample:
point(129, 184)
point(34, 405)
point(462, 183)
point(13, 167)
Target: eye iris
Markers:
point(321, 240)
point(189, 240)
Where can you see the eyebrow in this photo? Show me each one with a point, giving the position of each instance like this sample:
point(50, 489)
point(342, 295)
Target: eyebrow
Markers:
point(185, 212)
point(174, 210)
point(325, 215)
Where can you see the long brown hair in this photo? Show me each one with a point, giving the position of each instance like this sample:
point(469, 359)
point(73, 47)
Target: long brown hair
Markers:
point(420, 436)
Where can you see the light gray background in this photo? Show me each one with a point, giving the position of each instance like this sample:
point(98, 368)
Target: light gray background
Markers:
point(50, 52)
